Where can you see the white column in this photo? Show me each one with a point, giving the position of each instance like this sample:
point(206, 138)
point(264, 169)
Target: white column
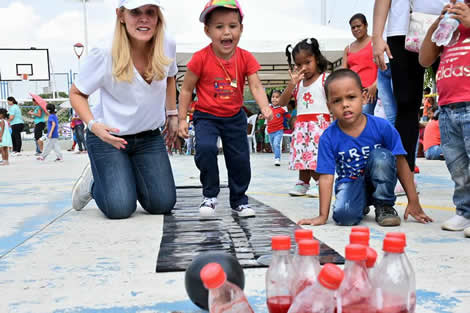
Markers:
point(85, 25)
point(323, 12)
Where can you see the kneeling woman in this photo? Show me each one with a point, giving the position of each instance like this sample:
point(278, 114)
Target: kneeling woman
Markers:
point(128, 159)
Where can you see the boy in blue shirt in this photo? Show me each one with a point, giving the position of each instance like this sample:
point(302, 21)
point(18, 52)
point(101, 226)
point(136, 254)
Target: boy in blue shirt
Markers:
point(367, 154)
point(52, 135)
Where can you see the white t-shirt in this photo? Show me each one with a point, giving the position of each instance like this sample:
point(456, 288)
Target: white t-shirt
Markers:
point(311, 99)
point(130, 107)
point(399, 14)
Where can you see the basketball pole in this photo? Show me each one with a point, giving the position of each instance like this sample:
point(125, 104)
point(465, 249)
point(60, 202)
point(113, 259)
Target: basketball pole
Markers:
point(85, 23)
point(323, 12)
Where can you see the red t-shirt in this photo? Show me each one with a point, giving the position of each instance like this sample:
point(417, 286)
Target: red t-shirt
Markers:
point(215, 93)
point(277, 123)
point(362, 62)
point(453, 76)
point(432, 135)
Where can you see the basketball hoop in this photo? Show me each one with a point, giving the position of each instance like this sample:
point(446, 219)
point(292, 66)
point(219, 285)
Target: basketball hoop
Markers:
point(24, 77)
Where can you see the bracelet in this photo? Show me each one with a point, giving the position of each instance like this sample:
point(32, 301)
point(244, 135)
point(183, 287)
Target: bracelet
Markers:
point(90, 124)
point(171, 112)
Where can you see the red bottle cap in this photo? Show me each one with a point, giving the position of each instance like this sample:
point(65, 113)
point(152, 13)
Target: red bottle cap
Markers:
point(394, 245)
point(280, 242)
point(396, 234)
point(309, 247)
point(331, 276)
point(371, 257)
point(303, 234)
point(363, 229)
point(359, 238)
point(356, 252)
point(213, 275)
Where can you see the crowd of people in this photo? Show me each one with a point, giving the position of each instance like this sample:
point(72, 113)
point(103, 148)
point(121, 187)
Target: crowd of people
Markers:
point(336, 143)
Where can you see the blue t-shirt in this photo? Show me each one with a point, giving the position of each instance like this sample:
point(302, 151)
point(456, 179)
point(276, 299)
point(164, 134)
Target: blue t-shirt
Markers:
point(55, 133)
point(16, 111)
point(348, 155)
point(39, 119)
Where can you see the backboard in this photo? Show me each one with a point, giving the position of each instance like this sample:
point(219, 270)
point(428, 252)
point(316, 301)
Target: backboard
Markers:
point(16, 62)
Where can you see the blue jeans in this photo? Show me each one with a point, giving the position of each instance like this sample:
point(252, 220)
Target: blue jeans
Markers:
point(433, 153)
point(232, 132)
point(385, 87)
point(454, 124)
point(376, 187)
point(141, 171)
point(275, 140)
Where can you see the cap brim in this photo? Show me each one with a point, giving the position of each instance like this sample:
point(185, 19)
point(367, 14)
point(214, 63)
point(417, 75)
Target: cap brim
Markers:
point(202, 17)
point(138, 4)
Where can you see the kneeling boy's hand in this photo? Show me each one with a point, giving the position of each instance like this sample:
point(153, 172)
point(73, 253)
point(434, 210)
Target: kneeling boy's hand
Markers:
point(317, 221)
point(415, 210)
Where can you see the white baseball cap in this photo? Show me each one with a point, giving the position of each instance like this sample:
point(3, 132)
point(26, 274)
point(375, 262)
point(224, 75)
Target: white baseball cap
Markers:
point(133, 4)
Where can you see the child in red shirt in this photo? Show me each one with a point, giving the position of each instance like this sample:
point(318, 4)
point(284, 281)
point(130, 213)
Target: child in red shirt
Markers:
point(276, 126)
point(432, 136)
point(218, 72)
point(453, 87)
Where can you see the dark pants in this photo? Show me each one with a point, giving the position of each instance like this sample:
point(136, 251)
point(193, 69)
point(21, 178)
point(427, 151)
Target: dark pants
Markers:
point(80, 136)
point(232, 131)
point(16, 136)
point(407, 79)
point(376, 188)
point(141, 171)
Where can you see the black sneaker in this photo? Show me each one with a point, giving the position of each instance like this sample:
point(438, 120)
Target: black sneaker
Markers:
point(386, 216)
point(366, 210)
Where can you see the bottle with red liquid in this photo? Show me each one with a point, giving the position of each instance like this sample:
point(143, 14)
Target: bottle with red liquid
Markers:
point(362, 238)
point(320, 297)
point(223, 295)
point(301, 234)
point(356, 290)
point(307, 266)
point(391, 280)
point(278, 276)
point(409, 270)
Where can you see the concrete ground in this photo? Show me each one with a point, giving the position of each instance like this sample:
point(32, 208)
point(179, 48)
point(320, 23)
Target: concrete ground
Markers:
point(54, 259)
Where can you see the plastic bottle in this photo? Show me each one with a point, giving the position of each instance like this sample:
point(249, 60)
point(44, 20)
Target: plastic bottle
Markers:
point(307, 267)
point(223, 295)
point(278, 276)
point(444, 32)
point(301, 234)
point(320, 297)
point(409, 270)
point(356, 289)
point(362, 238)
point(391, 281)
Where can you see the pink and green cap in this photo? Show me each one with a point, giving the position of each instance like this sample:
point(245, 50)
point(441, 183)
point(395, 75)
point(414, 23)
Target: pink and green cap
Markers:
point(213, 4)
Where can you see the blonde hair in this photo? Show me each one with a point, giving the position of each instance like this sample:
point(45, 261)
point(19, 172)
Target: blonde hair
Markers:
point(123, 66)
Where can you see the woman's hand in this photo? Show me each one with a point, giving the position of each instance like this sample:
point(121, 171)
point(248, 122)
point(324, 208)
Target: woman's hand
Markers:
point(379, 47)
point(171, 131)
point(371, 93)
point(103, 132)
point(296, 75)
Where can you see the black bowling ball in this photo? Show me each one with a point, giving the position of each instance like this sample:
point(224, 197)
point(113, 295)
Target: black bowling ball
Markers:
point(192, 280)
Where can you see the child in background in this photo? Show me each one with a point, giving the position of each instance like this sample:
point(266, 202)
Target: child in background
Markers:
point(5, 136)
point(306, 85)
point(218, 72)
point(432, 136)
point(427, 103)
point(52, 135)
point(367, 154)
point(276, 126)
point(453, 87)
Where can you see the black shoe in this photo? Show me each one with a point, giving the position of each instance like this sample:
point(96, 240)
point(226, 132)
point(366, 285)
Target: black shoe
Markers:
point(366, 210)
point(386, 215)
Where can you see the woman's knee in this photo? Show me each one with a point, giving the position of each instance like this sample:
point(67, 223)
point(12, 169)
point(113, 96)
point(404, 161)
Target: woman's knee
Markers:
point(160, 204)
point(118, 208)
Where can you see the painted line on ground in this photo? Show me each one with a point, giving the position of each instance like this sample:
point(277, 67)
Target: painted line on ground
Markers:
point(426, 206)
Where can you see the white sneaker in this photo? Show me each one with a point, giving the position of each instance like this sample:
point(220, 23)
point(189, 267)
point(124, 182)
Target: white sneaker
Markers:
point(277, 162)
point(313, 192)
point(300, 189)
point(81, 191)
point(466, 232)
point(207, 207)
point(456, 223)
point(244, 210)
